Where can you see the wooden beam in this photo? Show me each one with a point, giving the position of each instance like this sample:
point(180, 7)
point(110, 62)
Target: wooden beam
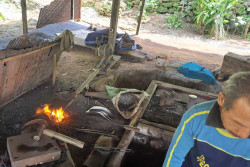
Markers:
point(114, 23)
point(116, 158)
point(24, 16)
point(140, 17)
point(27, 53)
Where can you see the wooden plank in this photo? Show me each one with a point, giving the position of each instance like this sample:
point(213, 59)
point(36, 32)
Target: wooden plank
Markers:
point(28, 53)
point(116, 158)
point(83, 86)
point(20, 77)
point(3, 74)
point(140, 17)
point(112, 63)
point(27, 90)
point(100, 95)
point(54, 71)
point(206, 95)
point(9, 82)
point(24, 16)
point(161, 126)
point(86, 83)
point(155, 132)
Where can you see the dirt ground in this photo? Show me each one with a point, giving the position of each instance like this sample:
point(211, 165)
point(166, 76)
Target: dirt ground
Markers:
point(184, 44)
point(73, 68)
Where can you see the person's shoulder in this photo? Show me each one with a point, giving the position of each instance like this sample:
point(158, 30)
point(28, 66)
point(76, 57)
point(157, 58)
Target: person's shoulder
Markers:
point(201, 110)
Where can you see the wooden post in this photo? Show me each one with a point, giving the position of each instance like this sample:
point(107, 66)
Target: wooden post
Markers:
point(246, 30)
point(116, 158)
point(54, 71)
point(24, 17)
point(140, 17)
point(72, 9)
point(114, 23)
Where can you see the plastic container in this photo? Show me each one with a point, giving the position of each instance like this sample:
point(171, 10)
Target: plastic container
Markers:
point(161, 60)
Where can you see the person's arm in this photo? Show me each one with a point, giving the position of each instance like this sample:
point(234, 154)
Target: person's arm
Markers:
point(182, 141)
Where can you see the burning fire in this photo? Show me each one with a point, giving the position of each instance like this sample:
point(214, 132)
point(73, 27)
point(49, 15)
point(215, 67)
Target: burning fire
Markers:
point(56, 115)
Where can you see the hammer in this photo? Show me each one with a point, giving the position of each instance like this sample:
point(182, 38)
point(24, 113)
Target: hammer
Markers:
point(42, 130)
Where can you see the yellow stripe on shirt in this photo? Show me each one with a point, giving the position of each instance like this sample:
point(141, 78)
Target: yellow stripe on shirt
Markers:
point(182, 130)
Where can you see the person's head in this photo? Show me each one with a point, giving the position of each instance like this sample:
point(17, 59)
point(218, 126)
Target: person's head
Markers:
point(234, 102)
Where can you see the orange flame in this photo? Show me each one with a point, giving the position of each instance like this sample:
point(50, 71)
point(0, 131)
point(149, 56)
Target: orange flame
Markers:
point(54, 114)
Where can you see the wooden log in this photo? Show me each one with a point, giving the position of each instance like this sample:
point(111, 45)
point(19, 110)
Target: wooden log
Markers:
point(156, 125)
point(116, 158)
point(114, 23)
point(24, 16)
point(140, 17)
point(155, 132)
point(233, 63)
point(54, 71)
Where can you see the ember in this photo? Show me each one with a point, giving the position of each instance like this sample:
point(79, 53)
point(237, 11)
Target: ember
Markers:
point(56, 115)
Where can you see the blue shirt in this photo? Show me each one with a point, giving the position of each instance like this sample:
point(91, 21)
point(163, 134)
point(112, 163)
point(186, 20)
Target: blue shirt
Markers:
point(196, 144)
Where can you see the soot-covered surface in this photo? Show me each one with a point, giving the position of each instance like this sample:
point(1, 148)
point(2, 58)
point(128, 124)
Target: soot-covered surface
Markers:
point(14, 115)
point(146, 152)
point(168, 116)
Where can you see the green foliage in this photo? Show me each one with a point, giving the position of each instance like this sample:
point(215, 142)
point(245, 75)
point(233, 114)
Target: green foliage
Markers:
point(88, 4)
point(174, 20)
point(129, 4)
point(151, 5)
point(214, 16)
point(1, 16)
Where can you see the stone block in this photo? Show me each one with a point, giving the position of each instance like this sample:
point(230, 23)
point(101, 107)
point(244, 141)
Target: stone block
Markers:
point(25, 151)
point(233, 63)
